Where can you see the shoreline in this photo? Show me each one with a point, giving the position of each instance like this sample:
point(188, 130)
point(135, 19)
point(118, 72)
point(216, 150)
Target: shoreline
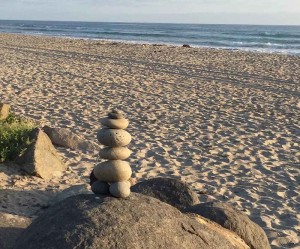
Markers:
point(232, 49)
point(226, 123)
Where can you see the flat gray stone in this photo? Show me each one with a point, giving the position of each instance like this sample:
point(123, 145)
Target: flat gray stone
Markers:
point(100, 188)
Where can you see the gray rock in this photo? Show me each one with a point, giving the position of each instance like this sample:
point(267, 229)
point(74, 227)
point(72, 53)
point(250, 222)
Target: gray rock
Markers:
point(11, 227)
point(66, 138)
point(4, 111)
point(234, 220)
point(169, 190)
point(89, 221)
point(68, 192)
point(100, 188)
point(41, 158)
point(120, 189)
point(92, 178)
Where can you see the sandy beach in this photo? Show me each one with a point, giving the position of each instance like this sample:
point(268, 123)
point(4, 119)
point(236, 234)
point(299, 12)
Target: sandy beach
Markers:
point(226, 122)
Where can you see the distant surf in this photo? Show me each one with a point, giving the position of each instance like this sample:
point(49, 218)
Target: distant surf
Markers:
point(268, 39)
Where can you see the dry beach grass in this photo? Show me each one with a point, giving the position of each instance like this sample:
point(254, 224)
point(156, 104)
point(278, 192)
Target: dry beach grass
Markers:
point(226, 122)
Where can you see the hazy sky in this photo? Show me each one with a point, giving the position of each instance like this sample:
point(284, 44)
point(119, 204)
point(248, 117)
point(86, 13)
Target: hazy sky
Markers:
point(187, 11)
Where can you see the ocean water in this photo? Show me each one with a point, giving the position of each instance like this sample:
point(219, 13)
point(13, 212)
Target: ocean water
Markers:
point(269, 39)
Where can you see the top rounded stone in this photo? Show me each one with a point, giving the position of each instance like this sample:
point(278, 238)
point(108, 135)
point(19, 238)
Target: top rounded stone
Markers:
point(120, 123)
point(116, 114)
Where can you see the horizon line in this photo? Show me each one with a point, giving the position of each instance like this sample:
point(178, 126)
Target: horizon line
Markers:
point(146, 22)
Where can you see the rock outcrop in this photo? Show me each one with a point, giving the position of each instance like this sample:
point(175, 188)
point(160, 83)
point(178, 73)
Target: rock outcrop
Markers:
point(40, 158)
point(169, 190)
point(95, 221)
point(66, 138)
point(234, 220)
point(4, 111)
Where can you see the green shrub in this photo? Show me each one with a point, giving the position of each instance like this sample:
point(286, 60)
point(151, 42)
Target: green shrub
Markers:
point(14, 136)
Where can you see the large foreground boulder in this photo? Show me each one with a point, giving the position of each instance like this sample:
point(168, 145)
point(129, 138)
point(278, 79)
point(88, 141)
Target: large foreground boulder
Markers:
point(66, 138)
point(40, 158)
point(90, 221)
point(169, 190)
point(234, 220)
point(4, 111)
point(11, 226)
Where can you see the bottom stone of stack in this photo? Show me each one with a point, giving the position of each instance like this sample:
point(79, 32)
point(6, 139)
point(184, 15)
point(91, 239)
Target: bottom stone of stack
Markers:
point(100, 188)
point(120, 189)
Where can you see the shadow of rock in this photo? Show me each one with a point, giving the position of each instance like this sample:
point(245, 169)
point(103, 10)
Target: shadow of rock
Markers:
point(28, 203)
point(11, 227)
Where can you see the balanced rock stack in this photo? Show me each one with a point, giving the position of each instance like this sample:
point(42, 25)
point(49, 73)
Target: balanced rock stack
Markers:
point(113, 175)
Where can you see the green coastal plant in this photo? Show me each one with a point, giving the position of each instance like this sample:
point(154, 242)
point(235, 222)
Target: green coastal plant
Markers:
point(14, 136)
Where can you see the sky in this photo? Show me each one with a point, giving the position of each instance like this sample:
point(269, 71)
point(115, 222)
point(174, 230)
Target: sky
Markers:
point(282, 12)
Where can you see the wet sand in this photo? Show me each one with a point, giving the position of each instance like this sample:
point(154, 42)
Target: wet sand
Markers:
point(226, 122)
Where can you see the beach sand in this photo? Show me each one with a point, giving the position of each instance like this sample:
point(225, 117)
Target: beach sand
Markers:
point(226, 122)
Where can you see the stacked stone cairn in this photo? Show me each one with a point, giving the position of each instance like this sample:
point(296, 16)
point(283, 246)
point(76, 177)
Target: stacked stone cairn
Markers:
point(112, 176)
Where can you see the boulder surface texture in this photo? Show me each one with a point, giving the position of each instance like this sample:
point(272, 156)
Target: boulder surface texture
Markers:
point(71, 191)
point(41, 158)
point(169, 190)
point(89, 221)
point(234, 220)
